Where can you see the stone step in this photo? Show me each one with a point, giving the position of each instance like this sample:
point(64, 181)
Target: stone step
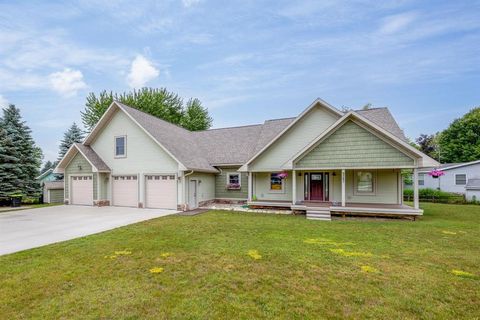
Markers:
point(319, 215)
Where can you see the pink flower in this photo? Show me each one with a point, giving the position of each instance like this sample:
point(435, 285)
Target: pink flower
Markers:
point(282, 175)
point(436, 173)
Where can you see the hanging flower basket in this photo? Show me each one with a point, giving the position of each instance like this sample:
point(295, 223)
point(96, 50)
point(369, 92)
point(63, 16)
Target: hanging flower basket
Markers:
point(282, 175)
point(435, 173)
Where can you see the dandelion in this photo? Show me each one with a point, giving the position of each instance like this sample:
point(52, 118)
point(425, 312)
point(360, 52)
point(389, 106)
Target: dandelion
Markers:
point(165, 254)
point(448, 232)
point(369, 269)
point(254, 254)
point(156, 270)
point(123, 253)
point(461, 273)
point(351, 253)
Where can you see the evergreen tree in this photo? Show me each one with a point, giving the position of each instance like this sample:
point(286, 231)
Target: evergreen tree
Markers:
point(48, 165)
point(196, 117)
point(29, 156)
point(10, 171)
point(73, 135)
point(158, 102)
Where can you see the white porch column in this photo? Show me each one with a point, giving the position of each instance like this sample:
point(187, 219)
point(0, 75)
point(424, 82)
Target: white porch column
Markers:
point(294, 187)
point(343, 188)
point(250, 186)
point(415, 189)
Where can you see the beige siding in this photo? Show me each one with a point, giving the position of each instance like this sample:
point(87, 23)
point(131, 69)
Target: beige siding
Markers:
point(353, 146)
point(205, 185)
point(261, 188)
point(79, 165)
point(144, 155)
point(304, 131)
point(221, 191)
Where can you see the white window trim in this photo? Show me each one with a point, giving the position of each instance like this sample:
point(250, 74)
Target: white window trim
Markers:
point(124, 147)
point(270, 184)
point(234, 173)
point(461, 174)
point(421, 177)
point(374, 181)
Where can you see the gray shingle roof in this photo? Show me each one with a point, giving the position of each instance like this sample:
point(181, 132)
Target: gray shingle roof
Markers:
point(201, 150)
point(50, 185)
point(93, 157)
point(383, 118)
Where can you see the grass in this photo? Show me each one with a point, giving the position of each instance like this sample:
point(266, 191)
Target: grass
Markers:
point(238, 265)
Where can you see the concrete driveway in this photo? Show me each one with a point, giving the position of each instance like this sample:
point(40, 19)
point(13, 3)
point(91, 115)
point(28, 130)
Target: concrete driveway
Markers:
point(25, 229)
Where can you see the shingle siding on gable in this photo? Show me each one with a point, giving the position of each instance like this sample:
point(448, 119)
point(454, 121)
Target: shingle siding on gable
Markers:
point(73, 168)
point(303, 132)
point(353, 146)
point(221, 191)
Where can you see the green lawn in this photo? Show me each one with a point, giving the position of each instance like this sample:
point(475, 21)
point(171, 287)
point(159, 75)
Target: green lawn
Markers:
point(302, 269)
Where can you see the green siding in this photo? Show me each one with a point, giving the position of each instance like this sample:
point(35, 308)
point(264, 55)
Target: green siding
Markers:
point(353, 146)
point(104, 183)
point(221, 182)
point(73, 168)
point(56, 195)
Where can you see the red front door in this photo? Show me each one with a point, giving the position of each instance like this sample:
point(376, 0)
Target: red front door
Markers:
point(316, 186)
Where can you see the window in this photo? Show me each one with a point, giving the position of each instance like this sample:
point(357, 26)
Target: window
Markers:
point(233, 181)
point(276, 183)
point(461, 179)
point(364, 182)
point(120, 147)
point(421, 179)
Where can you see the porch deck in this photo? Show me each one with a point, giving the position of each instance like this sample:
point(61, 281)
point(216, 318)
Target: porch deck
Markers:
point(372, 209)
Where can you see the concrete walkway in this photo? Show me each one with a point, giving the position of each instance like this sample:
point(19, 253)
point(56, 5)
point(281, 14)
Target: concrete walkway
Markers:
point(31, 228)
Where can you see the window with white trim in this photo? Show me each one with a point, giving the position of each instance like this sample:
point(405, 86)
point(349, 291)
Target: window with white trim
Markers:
point(120, 146)
point(461, 179)
point(234, 181)
point(421, 179)
point(364, 182)
point(276, 182)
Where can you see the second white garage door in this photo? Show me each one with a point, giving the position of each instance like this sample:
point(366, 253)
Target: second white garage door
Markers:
point(125, 191)
point(161, 191)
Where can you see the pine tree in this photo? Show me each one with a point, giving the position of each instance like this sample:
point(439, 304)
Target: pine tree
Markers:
point(25, 156)
point(9, 166)
point(73, 135)
point(47, 166)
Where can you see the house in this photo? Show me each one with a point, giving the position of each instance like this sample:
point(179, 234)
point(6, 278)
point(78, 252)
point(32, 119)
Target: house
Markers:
point(473, 190)
point(323, 161)
point(52, 185)
point(455, 179)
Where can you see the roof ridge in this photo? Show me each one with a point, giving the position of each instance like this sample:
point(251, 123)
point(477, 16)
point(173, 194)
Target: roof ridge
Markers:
point(235, 127)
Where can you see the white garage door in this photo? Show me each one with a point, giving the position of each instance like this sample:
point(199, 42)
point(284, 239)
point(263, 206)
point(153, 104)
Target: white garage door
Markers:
point(125, 191)
point(161, 191)
point(82, 190)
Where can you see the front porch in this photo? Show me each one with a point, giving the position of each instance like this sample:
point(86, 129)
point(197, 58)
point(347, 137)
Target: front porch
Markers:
point(322, 193)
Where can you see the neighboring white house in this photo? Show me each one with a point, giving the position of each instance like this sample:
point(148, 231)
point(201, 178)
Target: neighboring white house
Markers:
point(473, 190)
point(456, 177)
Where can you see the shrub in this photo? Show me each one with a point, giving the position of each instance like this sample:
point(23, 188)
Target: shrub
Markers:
point(433, 195)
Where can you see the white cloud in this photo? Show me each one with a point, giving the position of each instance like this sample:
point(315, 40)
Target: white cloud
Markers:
point(189, 3)
point(67, 82)
point(396, 23)
point(141, 72)
point(3, 101)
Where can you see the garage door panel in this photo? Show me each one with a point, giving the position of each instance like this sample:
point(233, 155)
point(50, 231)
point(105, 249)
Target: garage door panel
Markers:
point(82, 190)
point(161, 191)
point(125, 191)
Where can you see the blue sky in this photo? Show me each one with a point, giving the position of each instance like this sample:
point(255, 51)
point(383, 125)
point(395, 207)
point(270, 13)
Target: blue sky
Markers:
point(247, 61)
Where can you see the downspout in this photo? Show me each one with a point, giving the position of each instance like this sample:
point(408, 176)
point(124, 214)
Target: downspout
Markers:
point(184, 189)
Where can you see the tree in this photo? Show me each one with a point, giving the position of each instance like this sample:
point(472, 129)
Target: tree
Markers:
point(460, 142)
point(428, 144)
point(25, 156)
point(10, 170)
point(73, 135)
point(47, 166)
point(158, 102)
point(368, 106)
point(196, 117)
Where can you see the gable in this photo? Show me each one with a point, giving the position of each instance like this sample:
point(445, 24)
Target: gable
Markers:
point(352, 146)
point(312, 124)
point(143, 153)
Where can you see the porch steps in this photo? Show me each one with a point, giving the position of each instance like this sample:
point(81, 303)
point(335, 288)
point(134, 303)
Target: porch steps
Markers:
point(322, 214)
